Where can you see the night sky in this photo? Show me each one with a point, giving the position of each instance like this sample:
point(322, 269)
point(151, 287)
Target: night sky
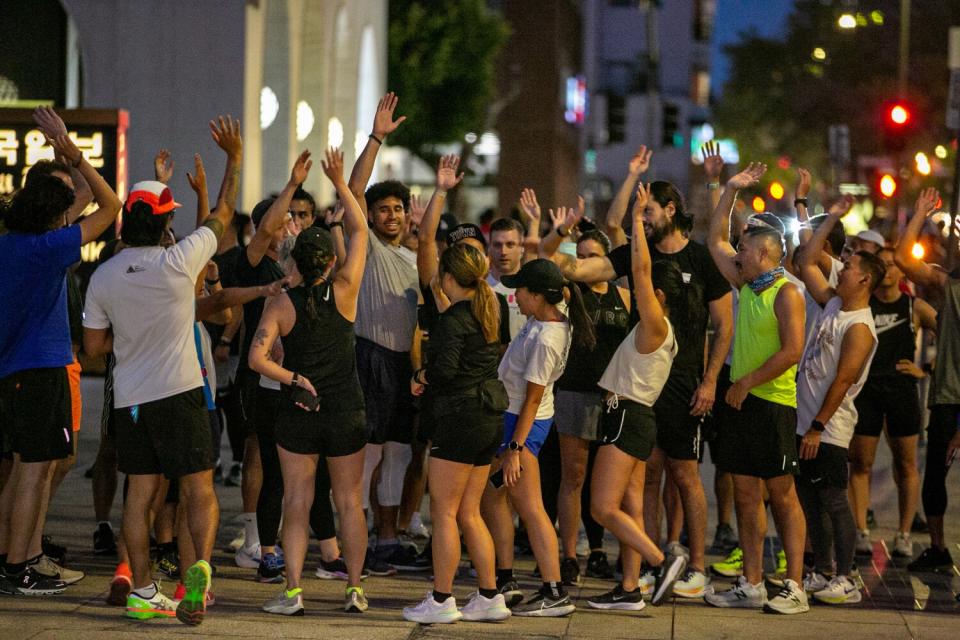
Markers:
point(734, 16)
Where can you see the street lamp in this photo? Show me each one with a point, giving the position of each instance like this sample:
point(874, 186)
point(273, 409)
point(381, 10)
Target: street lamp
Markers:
point(847, 21)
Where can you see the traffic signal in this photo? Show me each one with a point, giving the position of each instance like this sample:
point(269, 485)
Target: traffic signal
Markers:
point(898, 121)
point(898, 115)
point(887, 185)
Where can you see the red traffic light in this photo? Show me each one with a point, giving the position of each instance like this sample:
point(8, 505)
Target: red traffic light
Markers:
point(888, 185)
point(898, 114)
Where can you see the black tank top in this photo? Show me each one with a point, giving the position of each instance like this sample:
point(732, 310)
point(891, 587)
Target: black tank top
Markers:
point(323, 350)
point(612, 322)
point(896, 339)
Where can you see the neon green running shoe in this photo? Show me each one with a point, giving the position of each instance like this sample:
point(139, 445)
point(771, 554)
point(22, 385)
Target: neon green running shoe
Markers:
point(780, 573)
point(159, 606)
point(731, 566)
point(355, 601)
point(194, 604)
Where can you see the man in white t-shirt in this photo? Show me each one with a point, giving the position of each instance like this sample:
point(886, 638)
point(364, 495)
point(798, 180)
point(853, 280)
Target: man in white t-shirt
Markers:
point(833, 369)
point(140, 305)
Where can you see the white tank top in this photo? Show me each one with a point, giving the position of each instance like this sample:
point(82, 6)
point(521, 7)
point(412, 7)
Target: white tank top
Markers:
point(640, 376)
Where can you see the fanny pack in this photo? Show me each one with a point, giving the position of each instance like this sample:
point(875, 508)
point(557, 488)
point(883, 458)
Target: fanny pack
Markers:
point(493, 396)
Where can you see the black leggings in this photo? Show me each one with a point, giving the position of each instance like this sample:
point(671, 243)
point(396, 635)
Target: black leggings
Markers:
point(830, 525)
point(593, 528)
point(943, 424)
point(231, 417)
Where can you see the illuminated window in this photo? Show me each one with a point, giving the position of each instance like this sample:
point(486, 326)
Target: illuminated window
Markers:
point(269, 107)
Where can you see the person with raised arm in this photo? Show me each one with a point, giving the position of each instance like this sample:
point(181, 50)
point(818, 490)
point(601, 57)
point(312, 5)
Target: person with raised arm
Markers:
point(757, 443)
point(832, 372)
point(943, 400)
point(613, 221)
point(323, 408)
point(633, 380)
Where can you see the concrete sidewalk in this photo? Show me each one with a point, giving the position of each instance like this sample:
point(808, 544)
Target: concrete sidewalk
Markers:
point(896, 604)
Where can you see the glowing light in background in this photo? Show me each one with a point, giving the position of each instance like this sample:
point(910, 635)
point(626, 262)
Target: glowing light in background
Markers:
point(269, 107)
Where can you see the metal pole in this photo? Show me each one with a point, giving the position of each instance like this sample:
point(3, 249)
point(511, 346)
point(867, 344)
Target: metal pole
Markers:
point(904, 62)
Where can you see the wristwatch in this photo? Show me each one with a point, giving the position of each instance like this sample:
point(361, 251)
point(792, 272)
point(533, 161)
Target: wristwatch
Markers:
point(515, 446)
point(817, 426)
point(713, 186)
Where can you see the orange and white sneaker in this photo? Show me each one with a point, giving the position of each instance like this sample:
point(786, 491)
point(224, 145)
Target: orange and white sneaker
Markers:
point(120, 586)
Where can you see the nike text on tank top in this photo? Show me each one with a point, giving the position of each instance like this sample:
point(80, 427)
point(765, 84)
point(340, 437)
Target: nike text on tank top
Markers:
point(756, 337)
point(640, 376)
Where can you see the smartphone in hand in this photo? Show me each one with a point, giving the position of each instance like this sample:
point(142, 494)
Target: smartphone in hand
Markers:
point(496, 480)
point(301, 396)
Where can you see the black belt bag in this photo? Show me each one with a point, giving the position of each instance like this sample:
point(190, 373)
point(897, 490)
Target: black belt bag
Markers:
point(493, 396)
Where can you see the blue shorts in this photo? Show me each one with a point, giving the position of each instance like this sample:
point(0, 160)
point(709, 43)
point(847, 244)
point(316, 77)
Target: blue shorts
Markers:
point(535, 439)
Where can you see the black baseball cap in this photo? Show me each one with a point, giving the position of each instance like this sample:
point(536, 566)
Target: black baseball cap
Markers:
point(464, 231)
point(260, 210)
point(314, 240)
point(447, 221)
point(538, 276)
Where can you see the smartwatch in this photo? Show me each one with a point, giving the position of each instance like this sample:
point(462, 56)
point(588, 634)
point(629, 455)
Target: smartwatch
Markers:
point(515, 446)
point(817, 426)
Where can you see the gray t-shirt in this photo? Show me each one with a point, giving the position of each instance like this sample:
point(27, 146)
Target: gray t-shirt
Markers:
point(387, 306)
point(945, 388)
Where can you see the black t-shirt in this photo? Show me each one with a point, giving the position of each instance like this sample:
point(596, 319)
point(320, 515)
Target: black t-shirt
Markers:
point(612, 322)
point(427, 314)
point(227, 267)
point(698, 271)
point(267, 270)
point(460, 358)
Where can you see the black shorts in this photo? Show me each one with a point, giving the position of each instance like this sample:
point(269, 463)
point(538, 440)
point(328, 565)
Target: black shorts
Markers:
point(248, 391)
point(36, 414)
point(464, 431)
point(828, 469)
point(630, 426)
point(169, 436)
point(328, 433)
point(678, 432)
point(759, 440)
point(385, 379)
point(895, 400)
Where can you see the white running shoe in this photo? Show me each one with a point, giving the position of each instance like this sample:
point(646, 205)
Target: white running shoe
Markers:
point(840, 590)
point(677, 549)
point(743, 595)
point(692, 584)
point(238, 542)
point(432, 612)
point(248, 557)
point(790, 599)
point(287, 603)
point(480, 609)
point(417, 529)
point(864, 546)
point(814, 581)
point(902, 546)
point(648, 579)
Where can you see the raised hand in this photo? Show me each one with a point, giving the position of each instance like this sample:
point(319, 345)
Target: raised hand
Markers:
point(335, 213)
point(417, 209)
point(198, 181)
point(213, 271)
point(383, 122)
point(163, 166)
point(301, 168)
point(332, 164)
point(927, 201)
point(225, 131)
point(748, 177)
point(447, 177)
point(840, 208)
point(803, 186)
point(64, 147)
point(530, 206)
point(712, 160)
point(640, 162)
point(643, 199)
point(49, 122)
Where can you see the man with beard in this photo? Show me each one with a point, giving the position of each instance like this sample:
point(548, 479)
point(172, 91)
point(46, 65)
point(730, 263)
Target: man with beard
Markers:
point(506, 256)
point(689, 392)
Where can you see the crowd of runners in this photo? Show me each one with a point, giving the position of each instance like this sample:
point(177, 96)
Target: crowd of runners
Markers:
point(533, 375)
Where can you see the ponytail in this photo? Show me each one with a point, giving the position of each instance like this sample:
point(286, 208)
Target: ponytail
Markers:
point(468, 267)
point(486, 310)
point(584, 333)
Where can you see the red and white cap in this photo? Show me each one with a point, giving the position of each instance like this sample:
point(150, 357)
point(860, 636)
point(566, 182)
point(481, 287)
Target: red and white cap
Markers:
point(156, 194)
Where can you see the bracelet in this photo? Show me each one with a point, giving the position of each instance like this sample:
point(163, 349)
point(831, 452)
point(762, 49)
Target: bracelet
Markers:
point(713, 186)
point(802, 201)
point(295, 380)
point(416, 376)
point(561, 232)
point(224, 340)
point(379, 141)
point(211, 283)
point(338, 223)
point(441, 193)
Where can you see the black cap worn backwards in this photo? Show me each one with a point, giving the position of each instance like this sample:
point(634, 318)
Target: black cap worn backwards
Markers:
point(538, 276)
point(464, 231)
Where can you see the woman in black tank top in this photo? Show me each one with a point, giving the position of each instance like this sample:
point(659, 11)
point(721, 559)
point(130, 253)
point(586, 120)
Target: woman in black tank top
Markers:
point(322, 410)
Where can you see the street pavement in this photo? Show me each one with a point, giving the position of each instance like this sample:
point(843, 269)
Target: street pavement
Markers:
point(896, 604)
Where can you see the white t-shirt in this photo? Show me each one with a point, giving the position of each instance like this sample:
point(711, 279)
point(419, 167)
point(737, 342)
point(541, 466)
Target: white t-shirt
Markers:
point(147, 295)
point(640, 376)
point(517, 319)
point(538, 354)
point(818, 369)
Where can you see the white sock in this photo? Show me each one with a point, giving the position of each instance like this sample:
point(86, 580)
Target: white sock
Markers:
point(147, 592)
point(250, 532)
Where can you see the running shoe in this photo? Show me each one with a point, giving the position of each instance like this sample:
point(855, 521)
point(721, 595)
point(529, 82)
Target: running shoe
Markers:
point(791, 599)
point(864, 547)
point(919, 525)
point(120, 586)
point(181, 591)
point(648, 578)
point(168, 562)
point(481, 609)
point(671, 569)
point(731, 566)
point(692, 584)
point(355, 601)
point(159, 606)
point(248, 557)
point(104, 540)
point(417, 529)
point(336, 570)
point(402, 558)
point(288, 603)
point(429, 611)
point(31, 582)
point(193, 607)
point(780, 572)
point(815, 581)
point(676, 549)
point(235, 477)
point(570, 572)
point(618, 599)
point(47, 567)
point(932, 560)
point(270, 569)
point(541, 605)
point(840, 590)
point(7, 587)
point(511, 593)
point(743, 595)
point(377, 567)
point(598, 566)
point(724, 540)
point(238, 541)
point(56, 552)
point(902, 546)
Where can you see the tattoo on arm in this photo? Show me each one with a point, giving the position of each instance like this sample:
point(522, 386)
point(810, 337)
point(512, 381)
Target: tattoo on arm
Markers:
point(260, 337)
point(214, 225)
point(232, 185)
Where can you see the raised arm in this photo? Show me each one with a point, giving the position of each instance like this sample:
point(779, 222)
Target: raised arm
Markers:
point(226, 133)
point(349, 275)
point(427, 257)
point(915, 268)
point(530, 206)
point(383, 125)
point(198, 182)
point(52, 125)
point(276, 215)
point(613, 222)
point(651, 329)
point(564, 220)
point(713, 167)
point(235, 296)
point(718, 241)
point(817, 285)
point(334, 220)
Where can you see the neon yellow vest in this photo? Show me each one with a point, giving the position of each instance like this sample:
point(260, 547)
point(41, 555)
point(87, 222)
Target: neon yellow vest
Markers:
point(756, 338)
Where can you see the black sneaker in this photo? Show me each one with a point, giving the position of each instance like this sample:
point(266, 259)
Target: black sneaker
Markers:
point(598, 566)
point(104, 542)
point(235, 477)
point(671, 569)
point(511, 593)
point(570, 572)
point(932, 560)
point(168, 561)
point(724, 540)
point(31, 583)
point(402, 558)
point(545, 606)
point(377, 567)
point(617, 598)
point(919, 525)
point(7, 587)
point(56, 552)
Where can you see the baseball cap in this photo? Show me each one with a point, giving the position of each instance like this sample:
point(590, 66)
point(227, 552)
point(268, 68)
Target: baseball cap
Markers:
point(447, 221)
point(464, 231)
point(869, 235)
point(313, 240)
point(156, 194)
point(260, 210)
point(538, 276)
